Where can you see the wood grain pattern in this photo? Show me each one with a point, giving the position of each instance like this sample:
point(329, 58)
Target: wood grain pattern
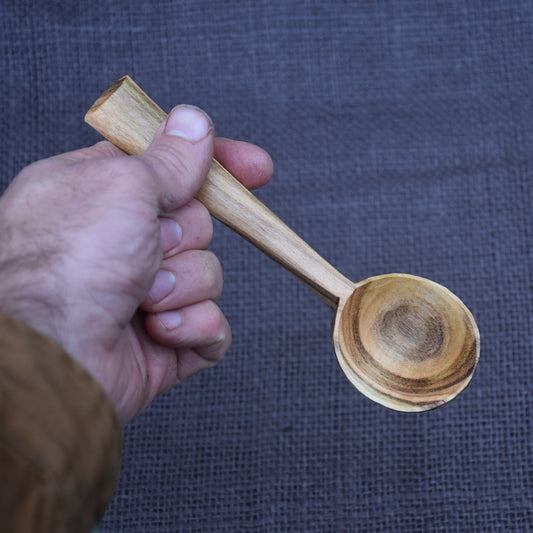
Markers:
point(405, 342)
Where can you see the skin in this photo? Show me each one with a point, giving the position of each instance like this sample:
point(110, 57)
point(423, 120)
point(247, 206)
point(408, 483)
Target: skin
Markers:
point(106, 254)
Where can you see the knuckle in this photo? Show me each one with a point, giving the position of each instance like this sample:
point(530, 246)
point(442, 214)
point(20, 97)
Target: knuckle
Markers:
point(117, 173)
point(220, 334)
point(177, 173)
point(151, 167)
point(202, 222)
point(118, 168)
point(217, 323)
point(212, 273)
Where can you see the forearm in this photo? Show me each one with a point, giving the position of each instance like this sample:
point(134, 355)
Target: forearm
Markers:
point(59, 438)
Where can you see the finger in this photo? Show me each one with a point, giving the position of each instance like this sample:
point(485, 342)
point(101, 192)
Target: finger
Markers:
point(186, 228)
point(179, 157)
point(190, 362)
point(176, 366)
point(201, 327)
point(251, 165)
point(185, 279)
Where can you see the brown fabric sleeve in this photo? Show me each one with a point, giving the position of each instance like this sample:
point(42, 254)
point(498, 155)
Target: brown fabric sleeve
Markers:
point(59, 438)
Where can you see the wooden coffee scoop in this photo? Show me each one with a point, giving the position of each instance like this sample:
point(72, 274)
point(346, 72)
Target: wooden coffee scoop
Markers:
point(404, 341)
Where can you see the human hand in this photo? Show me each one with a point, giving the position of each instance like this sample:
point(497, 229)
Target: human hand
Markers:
point(106, 254)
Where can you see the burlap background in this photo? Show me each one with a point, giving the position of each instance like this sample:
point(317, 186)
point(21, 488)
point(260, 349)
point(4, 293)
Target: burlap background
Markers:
point(402, 134)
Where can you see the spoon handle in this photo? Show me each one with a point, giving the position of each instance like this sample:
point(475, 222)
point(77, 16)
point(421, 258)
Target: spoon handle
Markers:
point(126, 116)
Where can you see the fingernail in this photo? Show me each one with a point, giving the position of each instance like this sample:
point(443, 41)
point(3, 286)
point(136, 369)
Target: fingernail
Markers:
point(188, 122)
point(164, 282)
point(171, 234)
point(170, 319)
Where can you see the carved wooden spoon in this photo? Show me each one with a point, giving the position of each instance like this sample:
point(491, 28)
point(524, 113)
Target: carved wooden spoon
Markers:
point(405, 342)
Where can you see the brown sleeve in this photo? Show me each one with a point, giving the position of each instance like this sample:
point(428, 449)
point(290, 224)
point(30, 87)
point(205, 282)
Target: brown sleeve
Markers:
point(59, 438)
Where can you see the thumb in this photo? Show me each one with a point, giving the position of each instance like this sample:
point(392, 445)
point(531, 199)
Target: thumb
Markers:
point(180, 155)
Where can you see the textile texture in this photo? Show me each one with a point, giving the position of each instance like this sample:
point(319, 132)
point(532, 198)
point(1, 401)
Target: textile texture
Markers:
point(402, 136)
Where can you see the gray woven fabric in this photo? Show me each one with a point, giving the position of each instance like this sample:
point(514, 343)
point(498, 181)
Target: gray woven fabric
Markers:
point(402, 135)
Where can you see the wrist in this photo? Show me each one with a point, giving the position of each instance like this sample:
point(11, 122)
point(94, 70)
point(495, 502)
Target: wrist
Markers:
point(28, 292)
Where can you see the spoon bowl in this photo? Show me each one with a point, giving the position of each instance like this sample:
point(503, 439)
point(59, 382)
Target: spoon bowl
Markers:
point(405, 342)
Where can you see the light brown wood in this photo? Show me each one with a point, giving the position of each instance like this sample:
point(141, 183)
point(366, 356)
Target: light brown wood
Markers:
point(125, 115)
point(406, 342)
